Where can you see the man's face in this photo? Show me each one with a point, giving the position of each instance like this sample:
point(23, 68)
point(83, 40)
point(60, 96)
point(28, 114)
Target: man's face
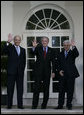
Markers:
point(66, 46)
point(17, 41)
point(45, 42)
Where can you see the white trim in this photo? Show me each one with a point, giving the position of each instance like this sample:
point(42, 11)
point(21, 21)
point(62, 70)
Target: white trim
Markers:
point(47, 32)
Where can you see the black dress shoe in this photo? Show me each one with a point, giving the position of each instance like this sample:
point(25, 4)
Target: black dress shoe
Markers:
point(69, 108)
point(34, 107)
point(9, 107)
point(59, 107)
point(21, 107)
point(43, 107)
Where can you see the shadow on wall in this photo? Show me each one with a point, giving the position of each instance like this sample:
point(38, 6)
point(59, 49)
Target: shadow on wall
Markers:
point(79, 81)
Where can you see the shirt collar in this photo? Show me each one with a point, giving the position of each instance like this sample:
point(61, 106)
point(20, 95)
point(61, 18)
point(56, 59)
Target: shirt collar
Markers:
point(67, 51)
point(46, 48)
point(16, 46)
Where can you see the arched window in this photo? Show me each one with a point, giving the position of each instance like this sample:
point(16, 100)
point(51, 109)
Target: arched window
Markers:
point(47, 18)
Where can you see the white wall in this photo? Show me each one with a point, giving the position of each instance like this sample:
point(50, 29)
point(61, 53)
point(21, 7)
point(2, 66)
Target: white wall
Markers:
point(12, 19)
point(6, 19)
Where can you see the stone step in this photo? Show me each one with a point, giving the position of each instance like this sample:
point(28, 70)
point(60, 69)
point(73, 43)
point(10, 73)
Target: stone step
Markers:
point(28, 110)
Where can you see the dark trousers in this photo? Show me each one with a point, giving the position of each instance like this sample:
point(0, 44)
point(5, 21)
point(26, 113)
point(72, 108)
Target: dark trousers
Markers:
point(66, 84)
point(10, 89)
point(37, 86)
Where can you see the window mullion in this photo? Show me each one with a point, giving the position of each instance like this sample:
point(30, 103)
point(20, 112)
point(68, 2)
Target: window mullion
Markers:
point(50, 17)
point(44, 17)
point(40, 20)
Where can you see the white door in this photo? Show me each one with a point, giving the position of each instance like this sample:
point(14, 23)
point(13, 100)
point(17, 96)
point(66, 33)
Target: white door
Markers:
point(55, 42)
point(55, 25)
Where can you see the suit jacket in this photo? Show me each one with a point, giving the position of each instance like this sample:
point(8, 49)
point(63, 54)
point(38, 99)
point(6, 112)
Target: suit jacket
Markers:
point(43, 66)
point(68, 64)
point(15, 63)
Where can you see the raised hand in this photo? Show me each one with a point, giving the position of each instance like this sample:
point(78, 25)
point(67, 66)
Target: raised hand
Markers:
point(53, 75)
point(61, 73)
point(10, 37)
point(34, 43)
point(72, 42)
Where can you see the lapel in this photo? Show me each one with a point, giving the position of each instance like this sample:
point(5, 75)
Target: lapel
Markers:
point(16, 51)
point(20, 51)
point(68, 55)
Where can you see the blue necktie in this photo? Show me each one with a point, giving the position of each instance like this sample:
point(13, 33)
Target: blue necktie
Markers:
point(66, 54)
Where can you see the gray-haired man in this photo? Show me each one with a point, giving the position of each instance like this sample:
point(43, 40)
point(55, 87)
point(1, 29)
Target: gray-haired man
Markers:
point(68, 72)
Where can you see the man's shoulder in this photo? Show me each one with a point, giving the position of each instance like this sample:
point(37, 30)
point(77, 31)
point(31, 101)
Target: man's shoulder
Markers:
point(50, 48)
point(22, 48)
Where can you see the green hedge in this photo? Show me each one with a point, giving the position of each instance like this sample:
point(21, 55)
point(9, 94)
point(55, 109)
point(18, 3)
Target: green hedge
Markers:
point(4, 59)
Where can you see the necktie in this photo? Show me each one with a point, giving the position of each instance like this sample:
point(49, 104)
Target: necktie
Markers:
point(44, 53)
point(66, 54)
point(17, 49)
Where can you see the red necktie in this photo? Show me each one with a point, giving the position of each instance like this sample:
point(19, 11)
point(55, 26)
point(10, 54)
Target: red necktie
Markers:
point(44, 52)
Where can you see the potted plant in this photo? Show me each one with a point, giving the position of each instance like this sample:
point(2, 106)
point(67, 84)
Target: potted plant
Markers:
point(3, 75)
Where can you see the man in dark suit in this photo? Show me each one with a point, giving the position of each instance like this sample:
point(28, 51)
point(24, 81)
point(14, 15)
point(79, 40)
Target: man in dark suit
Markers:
point(68, 72)
point(42, 71)
point(15, 70)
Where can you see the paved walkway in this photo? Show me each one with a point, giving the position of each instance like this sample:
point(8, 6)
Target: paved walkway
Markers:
point(14, 110)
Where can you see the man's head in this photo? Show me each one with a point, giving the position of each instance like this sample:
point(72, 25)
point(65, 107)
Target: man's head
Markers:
point(17, 40)
point(45, 41)
point(66, 45)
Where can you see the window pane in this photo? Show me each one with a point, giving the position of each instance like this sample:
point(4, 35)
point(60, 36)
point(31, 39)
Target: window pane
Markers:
point(29, 53)
point(65, 25)
point(56, 87)
point(63, 38)
point(55, 41)
point(55, 14)
point(47, 13)
point(61, 19)
point(30, 76)
point(51, 22)
point(30, 26)
point(29, 41)
point(30, 87)
point(30, 64)
point(33, 19)
point(40, 14)
point(43, 21)
point(39, 40)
